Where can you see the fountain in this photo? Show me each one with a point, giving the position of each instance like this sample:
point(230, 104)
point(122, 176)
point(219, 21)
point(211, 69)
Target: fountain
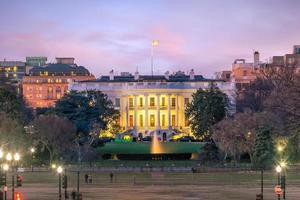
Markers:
point(156, 147)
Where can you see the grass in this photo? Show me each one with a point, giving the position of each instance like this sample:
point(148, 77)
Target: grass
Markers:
point(145, 147)
point(157, 185)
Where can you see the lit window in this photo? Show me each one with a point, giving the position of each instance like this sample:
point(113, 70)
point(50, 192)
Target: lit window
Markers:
point(152, 120)
point(163, 101)
point(152, 101)
point(186, 101)
point(15, 75)
point(141, 121)
point(131, 120)
point(131, 102)
point(163, 120)
point(49, 80)
point(173, 102)
point(141, 101)
point(15, 68)
point(117, 102)
point(173, 122)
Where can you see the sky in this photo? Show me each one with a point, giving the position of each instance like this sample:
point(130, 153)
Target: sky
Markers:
point(204, 35)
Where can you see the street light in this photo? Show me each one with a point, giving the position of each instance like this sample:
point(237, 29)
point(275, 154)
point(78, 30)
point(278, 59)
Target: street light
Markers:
point(8, 157)
point(280, 148)
point(278, 170)
point(5, 168)
point(17, 157)
point(32, 150)
point(59, 171)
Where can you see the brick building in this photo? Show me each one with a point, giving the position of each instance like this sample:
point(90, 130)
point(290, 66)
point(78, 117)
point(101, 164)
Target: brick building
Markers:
point(45, 85)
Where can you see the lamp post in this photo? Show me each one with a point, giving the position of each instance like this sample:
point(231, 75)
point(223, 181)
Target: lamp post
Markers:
point(32, 150)
point(283, 177)
point(16, 158)
point(278, 170)
point(5, 168)
point(59, 171)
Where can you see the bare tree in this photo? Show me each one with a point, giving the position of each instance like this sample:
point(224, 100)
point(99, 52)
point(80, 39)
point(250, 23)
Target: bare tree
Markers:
point(55, 133)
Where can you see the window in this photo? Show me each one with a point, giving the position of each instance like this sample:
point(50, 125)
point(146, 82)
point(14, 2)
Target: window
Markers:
point(163, 120)
point(152, 120)
point(227, 76)
point(141, 121)
point(130, 102)
point(141, 101)
point(173, 120)
point(186, 101)
point(173, 102)
point(117, 102)
point(244, 73)
point(152, 101)
point(131, 120)
point(186, 121)
point(163, 101)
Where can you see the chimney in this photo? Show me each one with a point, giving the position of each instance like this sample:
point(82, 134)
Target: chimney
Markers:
point(256, 58)
point(111, 75)
point(136, 76)
point(167, 75)
point(192, 74)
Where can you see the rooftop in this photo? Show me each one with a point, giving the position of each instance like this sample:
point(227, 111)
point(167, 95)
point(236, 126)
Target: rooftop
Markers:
point(59, 69)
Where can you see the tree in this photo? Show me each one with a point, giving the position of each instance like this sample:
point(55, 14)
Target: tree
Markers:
point(236, 135)
point(56, 134)
point(12, 133)
point(253, 97)
point(85, 109)
point(263, 149)
point(206, 109)
point(91, 112)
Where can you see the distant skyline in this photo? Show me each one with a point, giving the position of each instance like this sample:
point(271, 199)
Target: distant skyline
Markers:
point(206, 35)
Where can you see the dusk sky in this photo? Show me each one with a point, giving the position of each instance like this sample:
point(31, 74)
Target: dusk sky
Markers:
point(206, 35)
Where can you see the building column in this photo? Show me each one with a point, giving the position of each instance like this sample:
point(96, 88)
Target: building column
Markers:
point(126, 111)
point(158, 111)
point(146, 111)
point(169, 111)
point(135, 112)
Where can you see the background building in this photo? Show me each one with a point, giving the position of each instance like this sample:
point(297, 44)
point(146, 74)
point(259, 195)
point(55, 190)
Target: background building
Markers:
point(45, 85)
point(149, 104)
point(36, 61)
point(13, 70)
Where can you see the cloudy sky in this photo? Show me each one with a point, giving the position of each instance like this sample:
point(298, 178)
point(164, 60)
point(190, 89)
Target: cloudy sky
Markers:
point(206, 35)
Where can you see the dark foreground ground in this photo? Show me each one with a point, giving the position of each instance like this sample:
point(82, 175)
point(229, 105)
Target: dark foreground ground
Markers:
point(159, 185)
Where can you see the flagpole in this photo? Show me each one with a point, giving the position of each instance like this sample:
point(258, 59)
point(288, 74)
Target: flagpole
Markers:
point(152, 49)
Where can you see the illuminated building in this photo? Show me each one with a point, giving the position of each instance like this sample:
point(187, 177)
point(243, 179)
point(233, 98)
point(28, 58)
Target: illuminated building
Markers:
point(45, 85)
point(13, 70)
point(157, 103)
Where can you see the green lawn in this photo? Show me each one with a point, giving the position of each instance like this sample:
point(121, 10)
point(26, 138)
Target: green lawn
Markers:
point(145, 147)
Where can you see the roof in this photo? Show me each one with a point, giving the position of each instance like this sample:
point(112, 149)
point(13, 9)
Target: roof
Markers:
point(150, 78)
point(59, 69)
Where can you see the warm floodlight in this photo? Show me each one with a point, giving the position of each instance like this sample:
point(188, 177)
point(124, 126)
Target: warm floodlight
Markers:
point(280, 148)
point(53, 166)
point(283, 164)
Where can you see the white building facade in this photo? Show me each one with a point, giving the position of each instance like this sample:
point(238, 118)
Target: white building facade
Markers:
point(149, 104)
